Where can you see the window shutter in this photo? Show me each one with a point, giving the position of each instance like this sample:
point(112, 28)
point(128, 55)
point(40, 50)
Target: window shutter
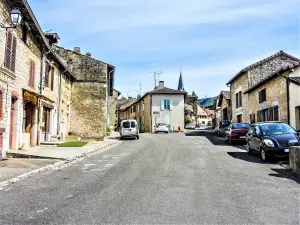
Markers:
point(237, 100)
point(171, 105)
point(8, 50)
point(46, 80)
point(13, 54)
point(52, 78)
point(259, 97)
point(258, 116)
point(162, 105)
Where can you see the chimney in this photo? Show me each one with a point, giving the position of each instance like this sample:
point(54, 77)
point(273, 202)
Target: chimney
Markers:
point(161, 84)
point(88, 54)
point(129, 98)
point(77, 49)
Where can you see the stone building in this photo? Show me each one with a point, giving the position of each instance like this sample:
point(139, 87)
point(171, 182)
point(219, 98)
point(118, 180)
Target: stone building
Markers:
point(162, 105)
point(224, 106)
point(25, 51)
point(260, 92)
point(294, 103)
point(113, 112)
point(90, 92)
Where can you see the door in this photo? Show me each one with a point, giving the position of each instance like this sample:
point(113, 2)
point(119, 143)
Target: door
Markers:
point(12, 113)
point(46, 123)
point(250, 136)
point(256, 139)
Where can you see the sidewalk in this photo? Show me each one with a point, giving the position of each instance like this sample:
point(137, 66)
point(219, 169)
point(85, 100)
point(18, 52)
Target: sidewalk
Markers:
point(39, 159)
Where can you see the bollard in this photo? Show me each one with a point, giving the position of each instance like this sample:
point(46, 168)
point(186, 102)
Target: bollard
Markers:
point(295, 159)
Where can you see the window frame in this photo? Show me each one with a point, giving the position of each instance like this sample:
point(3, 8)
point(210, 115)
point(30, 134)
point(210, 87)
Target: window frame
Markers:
point(10, 51)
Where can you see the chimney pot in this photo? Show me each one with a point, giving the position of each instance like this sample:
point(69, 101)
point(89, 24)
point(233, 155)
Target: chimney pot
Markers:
point(77, 49)
point(88, 54)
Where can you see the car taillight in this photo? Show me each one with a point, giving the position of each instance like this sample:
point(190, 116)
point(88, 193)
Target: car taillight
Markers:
point(166, 126)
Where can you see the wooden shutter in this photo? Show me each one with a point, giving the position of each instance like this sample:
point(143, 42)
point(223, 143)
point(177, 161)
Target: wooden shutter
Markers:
point(260, 97)
point(237, 100)
point(13, 54)
point(31, 74)
point(46, 80)
point(276, 113)
point(162, 105)
point(52, 78)
point(258, 116)
point(171, 105)
point(8, 50)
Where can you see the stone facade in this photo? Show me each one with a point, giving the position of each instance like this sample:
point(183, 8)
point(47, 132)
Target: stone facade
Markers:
point(113, 113)
point(89, 94)
point(266, 74)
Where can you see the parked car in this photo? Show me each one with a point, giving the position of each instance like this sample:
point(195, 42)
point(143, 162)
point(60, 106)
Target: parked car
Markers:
point(237, 132)
point(190, 126)
point(129, 129)
point(222, 127)
point(271, 139)
point(162, 127)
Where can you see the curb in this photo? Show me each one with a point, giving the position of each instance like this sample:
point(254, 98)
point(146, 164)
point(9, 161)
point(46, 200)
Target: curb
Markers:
point(58, 165)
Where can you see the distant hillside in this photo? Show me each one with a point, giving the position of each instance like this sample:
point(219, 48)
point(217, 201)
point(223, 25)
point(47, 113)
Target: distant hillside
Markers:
point(208, 102)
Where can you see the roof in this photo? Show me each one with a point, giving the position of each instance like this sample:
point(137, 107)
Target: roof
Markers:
point(117, 91)
point(280, 53)
point(295, 80)
point(209, 112)
point(226, 94)
point(68, 50)
point(166, 90)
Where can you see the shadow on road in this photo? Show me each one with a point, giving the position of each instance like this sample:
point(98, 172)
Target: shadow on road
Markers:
point(213, 138)
point(285, 173)
point(247, 157)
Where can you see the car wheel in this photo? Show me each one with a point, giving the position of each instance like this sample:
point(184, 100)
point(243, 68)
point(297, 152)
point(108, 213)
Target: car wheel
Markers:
point(230, 141)
point(121, 138)
point(264, 156)
point(249, 150)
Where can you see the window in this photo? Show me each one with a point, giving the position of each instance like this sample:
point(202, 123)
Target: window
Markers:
point(52, 78)
point(126, 124)
point(252, 118)
point(132, 124)
point(31, 74)
point(138, 108)
point(277, 129)
point(241, 126)
point(10, 52)
point(24, 118)
point(202, 117)
point(134, 108)
point(47, 71)
point(131, 110)
point(262, 96)
point(276, 114)
point(238, 99)
point(24, 33)
point(143, 107)
point(269, 114)
point(166, 105)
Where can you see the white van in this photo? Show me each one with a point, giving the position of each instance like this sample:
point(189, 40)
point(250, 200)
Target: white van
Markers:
point(129, 129)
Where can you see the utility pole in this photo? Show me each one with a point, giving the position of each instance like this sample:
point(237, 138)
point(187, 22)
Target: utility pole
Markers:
point(140, 89)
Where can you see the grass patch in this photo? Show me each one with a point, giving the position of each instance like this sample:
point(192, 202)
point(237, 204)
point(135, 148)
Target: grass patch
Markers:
point(73, 144)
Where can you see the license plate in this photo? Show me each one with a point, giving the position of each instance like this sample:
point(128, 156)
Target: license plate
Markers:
point(286, 150)
point(242, 136)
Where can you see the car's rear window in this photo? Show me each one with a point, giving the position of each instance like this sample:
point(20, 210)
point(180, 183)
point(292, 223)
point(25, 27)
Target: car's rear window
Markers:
point(224, 123)
point(132, 124)
point(161, 124)
point(126, 124)
point(241, 126)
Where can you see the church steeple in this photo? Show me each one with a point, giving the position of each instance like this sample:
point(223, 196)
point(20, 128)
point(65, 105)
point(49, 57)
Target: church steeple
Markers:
point(180, 83)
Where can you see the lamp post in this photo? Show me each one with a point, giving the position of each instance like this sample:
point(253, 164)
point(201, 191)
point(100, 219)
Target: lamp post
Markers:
point(15, 17)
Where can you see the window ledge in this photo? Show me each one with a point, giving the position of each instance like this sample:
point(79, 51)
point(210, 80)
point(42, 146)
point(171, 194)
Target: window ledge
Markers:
point(8, 72)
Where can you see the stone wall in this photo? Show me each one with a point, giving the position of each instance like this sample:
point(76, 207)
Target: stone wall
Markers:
point(88, 114)
point(240, 84)
point(276, 95)
point(113, 109)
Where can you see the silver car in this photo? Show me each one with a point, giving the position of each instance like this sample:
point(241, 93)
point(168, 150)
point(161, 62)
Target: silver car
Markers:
point(162, 128)
point(190, 126)
point(129, 129)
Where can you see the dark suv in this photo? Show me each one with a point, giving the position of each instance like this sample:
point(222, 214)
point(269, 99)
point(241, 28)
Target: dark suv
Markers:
point(271, 139)
point(222, 127)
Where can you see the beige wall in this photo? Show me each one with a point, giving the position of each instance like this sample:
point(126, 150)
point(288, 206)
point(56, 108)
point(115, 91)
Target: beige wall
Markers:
point(295, 106)
point(240, 84)
point(201, 115)
point(176, 115)
point(112, 109)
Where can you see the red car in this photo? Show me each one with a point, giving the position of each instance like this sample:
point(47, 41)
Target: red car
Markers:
point(237, 132)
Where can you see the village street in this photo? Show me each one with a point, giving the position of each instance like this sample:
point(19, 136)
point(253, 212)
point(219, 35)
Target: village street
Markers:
point(177, 179)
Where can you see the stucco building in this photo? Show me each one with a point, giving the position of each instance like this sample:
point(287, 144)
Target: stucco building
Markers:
point(224, 106)
point(162, 105)
point(260, 92)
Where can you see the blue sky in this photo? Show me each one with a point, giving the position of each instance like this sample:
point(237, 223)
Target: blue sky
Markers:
point(210, 40)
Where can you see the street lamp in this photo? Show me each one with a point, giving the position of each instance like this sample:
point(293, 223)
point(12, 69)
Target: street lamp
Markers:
point(16, 18)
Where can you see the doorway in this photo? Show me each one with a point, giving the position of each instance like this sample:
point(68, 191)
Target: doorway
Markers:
point(12, 115)
point(46, 124)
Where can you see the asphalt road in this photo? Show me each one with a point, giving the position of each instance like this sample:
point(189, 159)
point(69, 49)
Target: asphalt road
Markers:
point(159, 179)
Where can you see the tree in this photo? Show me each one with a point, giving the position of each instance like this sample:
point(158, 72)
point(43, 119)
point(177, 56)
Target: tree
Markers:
point(187, 119)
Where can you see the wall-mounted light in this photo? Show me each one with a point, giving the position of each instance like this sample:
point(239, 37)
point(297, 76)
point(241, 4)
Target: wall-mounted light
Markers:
point(16, 18)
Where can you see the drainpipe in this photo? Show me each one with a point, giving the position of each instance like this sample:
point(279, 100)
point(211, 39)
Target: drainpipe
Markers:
point(38, 103)
point(59, 102)
point(107, 99)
